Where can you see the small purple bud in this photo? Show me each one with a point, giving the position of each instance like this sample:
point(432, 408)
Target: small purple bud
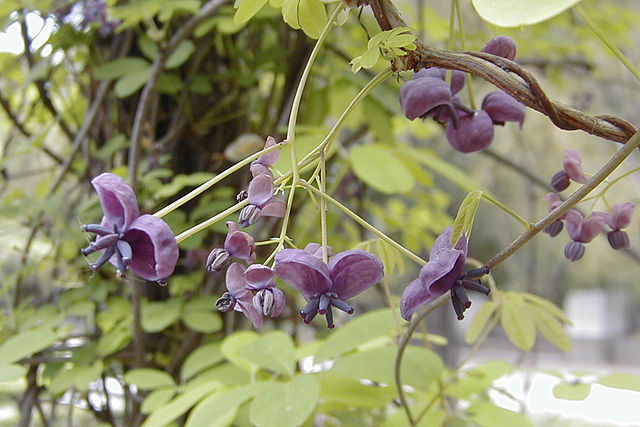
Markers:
point(217, 260)
point(502, 107)
point(574, 251)
point(554, 228)
point(249, 215)
point(560, 181)
point(242, 195)
point(225, 302)
point(503, 46)
point(618, 239)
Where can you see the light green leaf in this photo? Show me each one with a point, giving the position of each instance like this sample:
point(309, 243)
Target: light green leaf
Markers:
point(312, 17)
point(516, 13)
point(627, 381)
point(550, 327)
point(274, 351)
point(518, 323)
point(26, 343)
point(203, 321)
point(157, 398)
point(369, 58)
point(463, 224)
point(78, 377)
point(487, 415)
point(179, 405)
point(379, 167)
point(180, 55)
point(132, 81)
point(114, 340)
point(201, 358)
point(148, 379)
point(233, 343)
point(157, 315)
point(120, 67)
point(11, 372)
point(578, 391)
point(478, 379)
point(340, 392)
point(285, 404)
point(362, 329)
point(148, 47)
point(547, 305)
point(181, 181)
point(290, 13)
point(479, 321)
point(246, 9)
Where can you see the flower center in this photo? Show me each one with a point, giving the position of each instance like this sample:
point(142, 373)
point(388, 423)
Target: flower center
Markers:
point(321, 304)
point(469, 281)
point(111, 243)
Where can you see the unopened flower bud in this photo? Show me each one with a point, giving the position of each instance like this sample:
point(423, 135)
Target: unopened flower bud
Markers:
point(574, 251)
point(560, 181)
point(554, 228)
point(618, 239)
point(217, 259)
point(503, 46)
point(225, 302)
point(249, 215)
point(263, 302)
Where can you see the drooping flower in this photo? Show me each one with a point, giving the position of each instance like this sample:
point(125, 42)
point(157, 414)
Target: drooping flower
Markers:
point(572, 171)
point(502, 107)
point(420, 96)
point(457, 77)
point(556, 226)
point(268, 299)
point(142, 243)
point(473, 133)
point(443, 273)
point(503, 46)
point(325, 286)
point(238, 297)
point(237, 244)
point(618, 218)
point(581, 231)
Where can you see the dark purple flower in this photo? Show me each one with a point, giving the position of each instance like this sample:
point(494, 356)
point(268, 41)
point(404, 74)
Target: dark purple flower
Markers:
point(238, 297)
point(620, 217)
point(502, 107)
point(503, 46)
point(142, 243)
point(473, 133)
point(421, 95)
point(457, 77)
point(237, 244)
point(443, 273)
point(555, 227)
point(325, 286)
point(581, 231)
point(267, 299)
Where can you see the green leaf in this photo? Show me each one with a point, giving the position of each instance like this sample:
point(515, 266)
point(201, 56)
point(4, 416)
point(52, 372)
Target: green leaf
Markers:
point(148, 379)
point(547, 305)
point(11, 372)
point(157, 398)
point(148, 47)
point(478, 379)
point(516, 13)
point(463, 224)
point(246, 9)
point(179, 405)
point(203, 321)
point(233, 343)
point(78, 377)
point(180, 55)
point(120, 67)
point(157, 315)
point(550, 327)
point(285, 404)
point(25, 344)
point(627, 381)
point(479, 321)
point(274, 351)
point(200, 359)
point(379, 167)
point(362, 329)
point(132, 81)
point(518, 323)
point(290, 13)
point(338, 392)
point(181, 181)
point(487, 415)
point(578, 391)
point(114, 340)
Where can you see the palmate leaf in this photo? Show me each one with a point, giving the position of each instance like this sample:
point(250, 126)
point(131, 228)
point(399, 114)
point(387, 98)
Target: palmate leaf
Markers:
point(308, 15)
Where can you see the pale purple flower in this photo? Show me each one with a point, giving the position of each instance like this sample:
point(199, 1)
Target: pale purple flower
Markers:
point(620, 217)
point(237, 244)
point(502, 107)
point(581, 231)
point(503, 46)
point(556, 226)
point(268, 299)
point(261, 165)
point(325, 286)
point(142, 243)
point(572, 170)
point(443, 273)
point(473, 133)
point(238, 297)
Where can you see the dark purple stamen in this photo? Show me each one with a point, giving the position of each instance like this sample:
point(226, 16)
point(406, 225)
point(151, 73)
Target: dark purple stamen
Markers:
point(323, 306)
point(474, 285)
point(106, 255)
point(475, 273)
point(341, 305)
point(461, 295)
point(96, 229)
point(330, 324)
point(310, 310)
point(457, 305)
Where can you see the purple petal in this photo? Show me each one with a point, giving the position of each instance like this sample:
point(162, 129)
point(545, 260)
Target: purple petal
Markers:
point(502, 107)
point(573, 220)
point(258, 277)
point(274, 207)
point(245, 305)
point(260, 190)
point(240, 244)
point(457, 77)
point(154, 247)
point(474, 132)
point(117, 199)
point(572, 163)
point(234, 280)
point(591, 227)
point(315, 249)
point(279, 302)
point(259, 169)
point(269, 158)
point(503, 46)
point(621, 213)
point(414, 296)
point(354, 271)
point(420, 95)
point(442, 270)
point(443, 241)
point(302, 271)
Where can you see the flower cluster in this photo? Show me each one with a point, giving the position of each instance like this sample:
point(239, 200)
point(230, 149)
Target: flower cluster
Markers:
point(237, 244)
point(583, 230)
point(142, 243)
point(467, 130)
point(443, 273)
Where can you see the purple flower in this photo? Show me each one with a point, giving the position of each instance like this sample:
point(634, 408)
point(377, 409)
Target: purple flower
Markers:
point(238, 297)
point(325, 286)
point(142, 243)
point(267, 299)
point(581, 231)
point(443, 272)
point(502, 107)
point(237, 244)
point(620, 217)
point(473, 133)
point(420, 96)
point(572, 171)
point(556, 226)
point(503, 46)
point(261, 165)
point(457, 77)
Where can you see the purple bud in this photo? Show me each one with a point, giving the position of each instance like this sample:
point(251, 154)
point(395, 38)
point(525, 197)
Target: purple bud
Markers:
point(574, 251)
point(419, 96)
point(217, 260)
point(503, 46)
point(618, 239)
point(249, 215)
point(457, 77)
point(474, 132)
point(554, 228)
point(502, 107)
point(225, 302)
point(560, 181)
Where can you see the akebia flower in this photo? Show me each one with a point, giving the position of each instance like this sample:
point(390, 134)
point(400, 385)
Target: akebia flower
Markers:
point(420, 96)
point(572, 171)
point(620, 217)
point(325, 286)
point(237, 244)
point(443, 273)
point(142, 243)
point(473, 133)
point(503, 46)
point(238, 297)
point(502, 108)
point(268, 299)
point(581, 231)
point(457, 77)
point(261, 165)
point(556, 226)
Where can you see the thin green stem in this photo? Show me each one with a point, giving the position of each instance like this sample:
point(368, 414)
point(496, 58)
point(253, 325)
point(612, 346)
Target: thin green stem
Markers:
point(527, 224)
point(323, 208)
point(607, 41)
point(365, 224)
point(611, 184)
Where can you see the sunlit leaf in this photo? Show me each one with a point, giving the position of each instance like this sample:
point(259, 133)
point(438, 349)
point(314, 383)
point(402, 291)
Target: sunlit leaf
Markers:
point(148, 379)
point(378, 166)
point(550, 327)
point(577, 391)
point(516, 13)
point(274, 351)
point(285, 404)
point(518, 324)
point(479, 321)
point(463, 223)
point(626, 381)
